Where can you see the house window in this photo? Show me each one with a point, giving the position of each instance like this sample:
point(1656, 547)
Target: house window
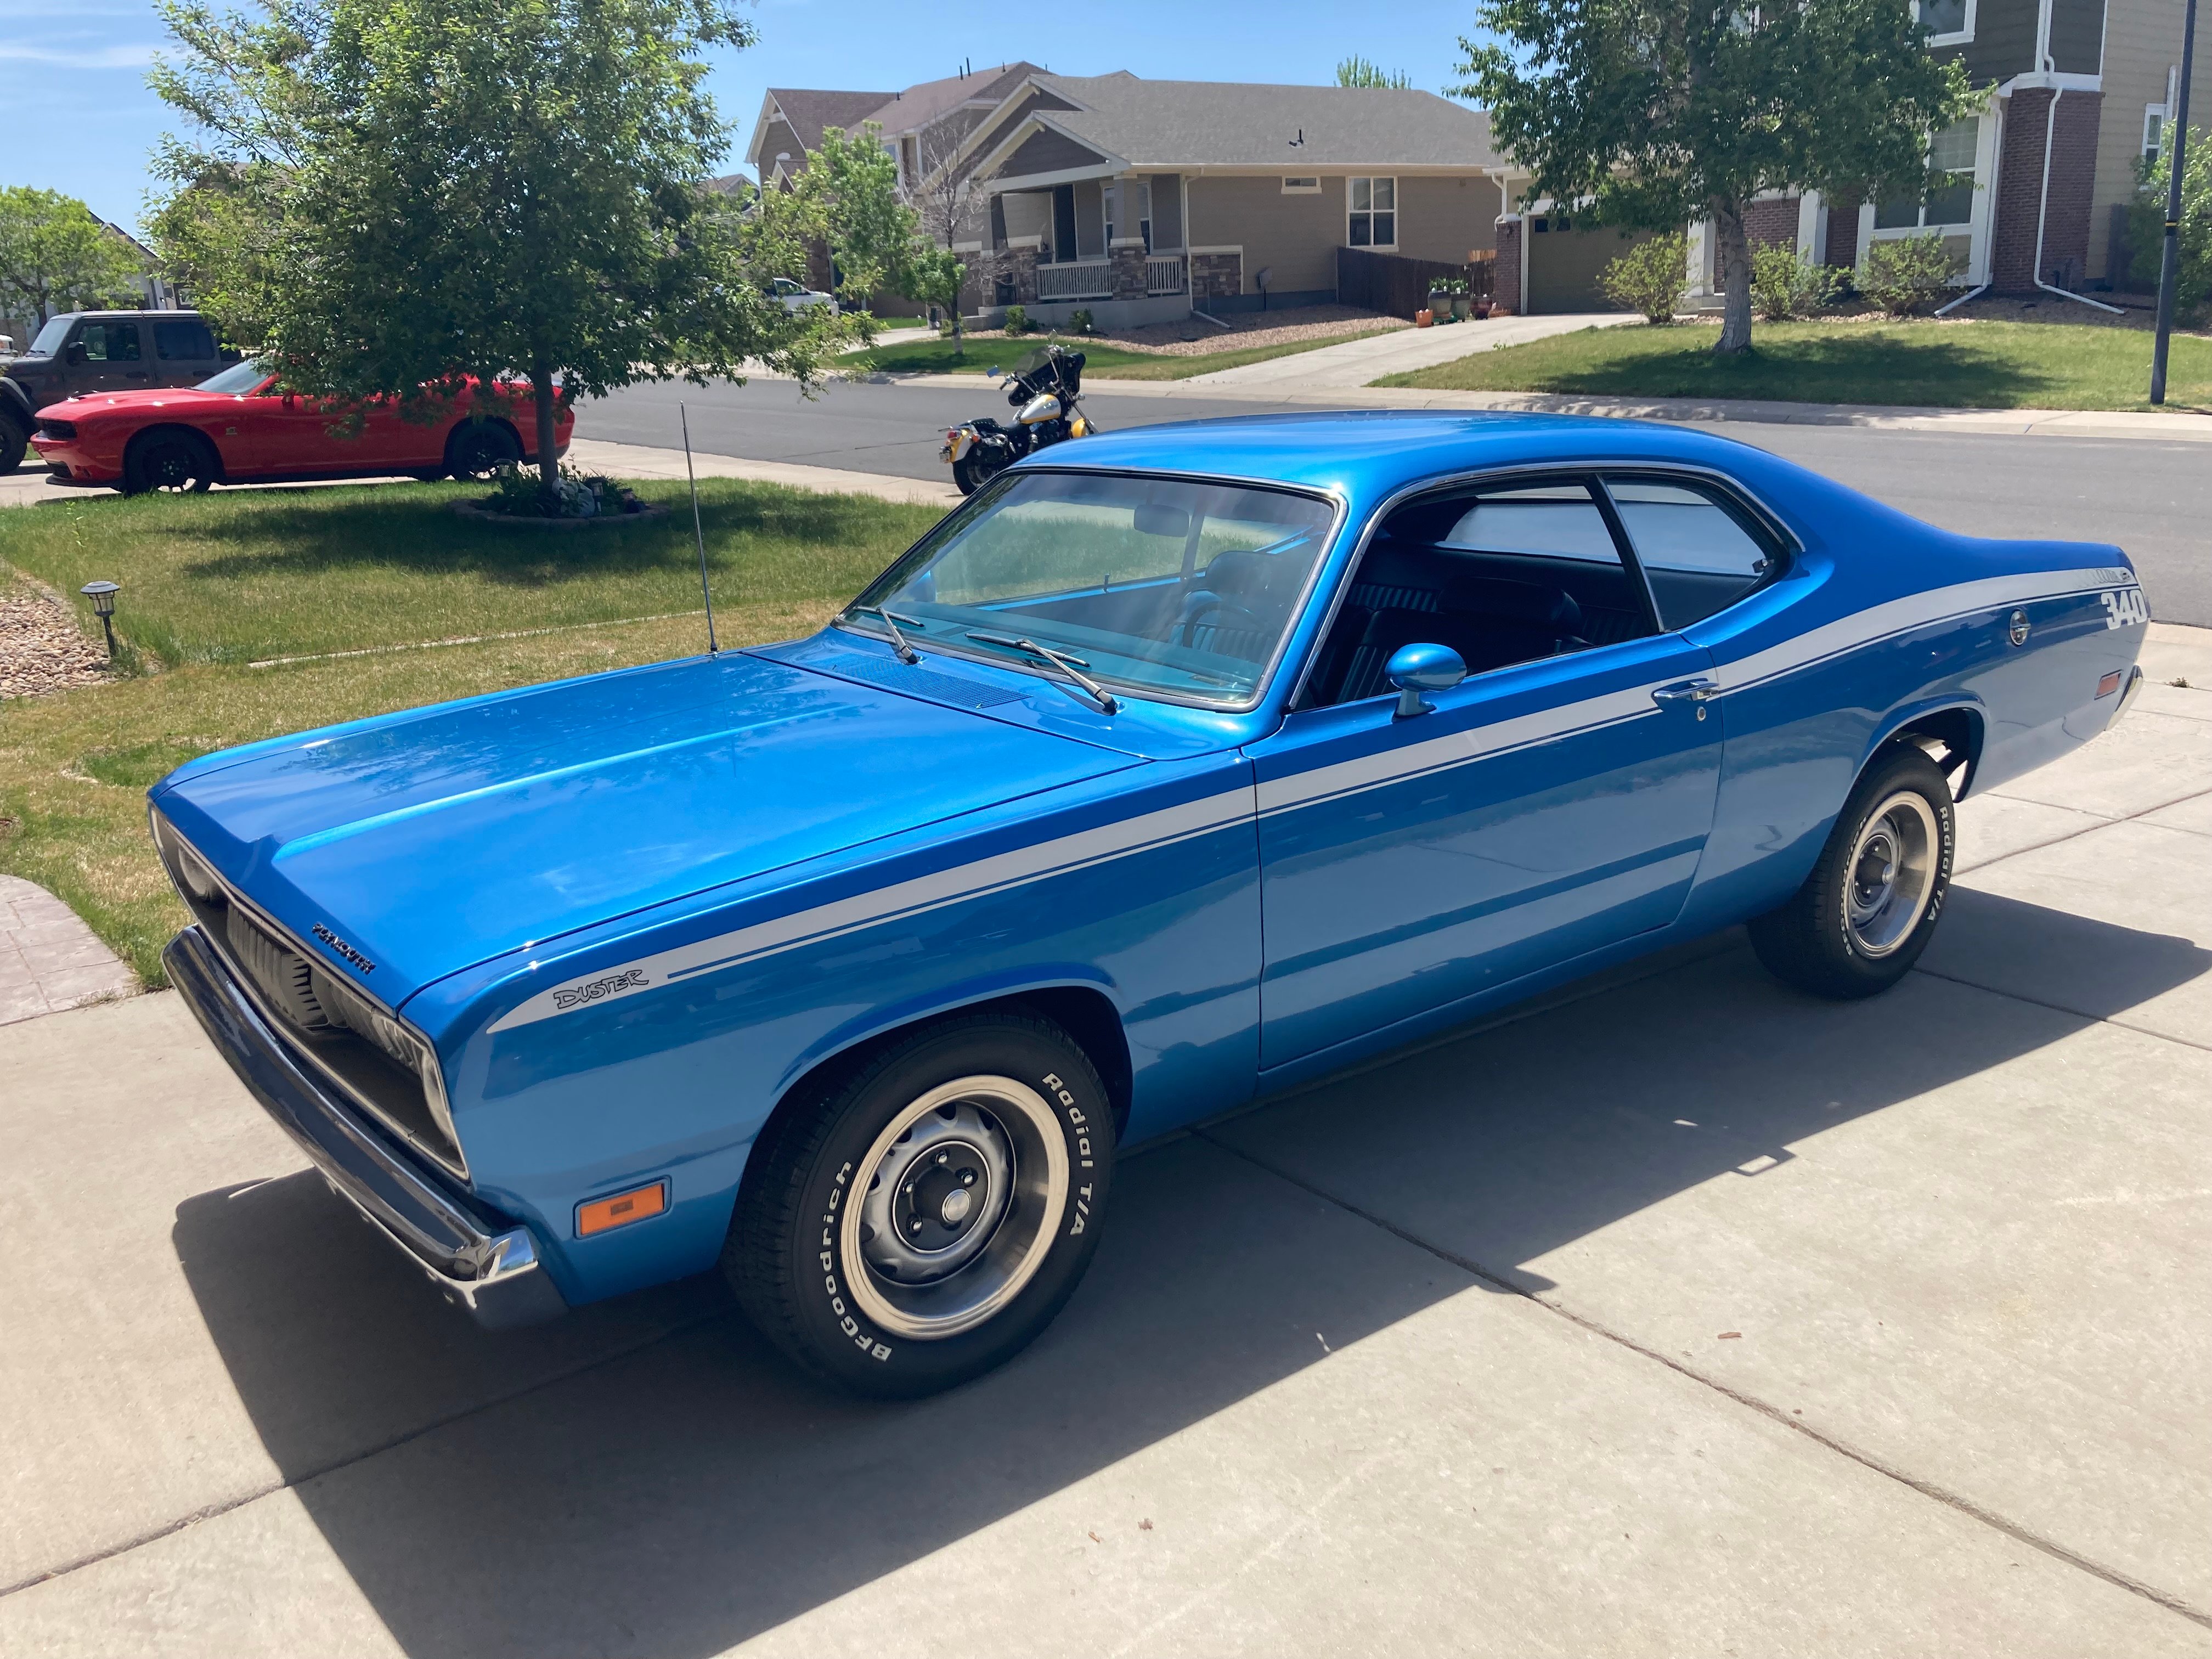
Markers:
point(1374, 213)
point(1305, 186)
point(1950, 202)
point(1949, 22)
point(2153, 132)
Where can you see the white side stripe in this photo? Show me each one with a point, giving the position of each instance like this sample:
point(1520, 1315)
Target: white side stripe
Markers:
point(906, 899)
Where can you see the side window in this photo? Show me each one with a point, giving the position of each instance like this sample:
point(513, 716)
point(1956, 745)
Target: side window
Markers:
point(1698, 554)
point(188, 340)
point(110, 342)
point(1502, 575)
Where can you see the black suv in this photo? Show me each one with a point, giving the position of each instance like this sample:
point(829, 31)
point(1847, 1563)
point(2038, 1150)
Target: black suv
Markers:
point(85, 351)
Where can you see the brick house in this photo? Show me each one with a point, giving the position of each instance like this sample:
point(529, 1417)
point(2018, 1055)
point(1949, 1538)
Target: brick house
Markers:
point(1141, 200)
point(2043, 171)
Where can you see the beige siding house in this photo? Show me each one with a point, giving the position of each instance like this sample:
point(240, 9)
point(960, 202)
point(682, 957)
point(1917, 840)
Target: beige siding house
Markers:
point(1140, 200)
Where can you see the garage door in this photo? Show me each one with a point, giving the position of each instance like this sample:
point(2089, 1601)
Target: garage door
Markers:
point(1564, 259)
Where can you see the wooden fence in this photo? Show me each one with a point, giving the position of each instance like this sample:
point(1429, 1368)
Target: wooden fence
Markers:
point(1400, 286)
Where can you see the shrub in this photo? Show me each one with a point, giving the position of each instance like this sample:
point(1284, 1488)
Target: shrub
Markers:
point(1081, 321)
point(1018, 320)
point(1650, 278)
point(1908, 275)
point(1784, 286)
point(2192, 296)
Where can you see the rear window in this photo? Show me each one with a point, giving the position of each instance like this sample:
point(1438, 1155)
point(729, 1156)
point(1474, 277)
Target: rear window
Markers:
point(187, 340)
point(1698, 554)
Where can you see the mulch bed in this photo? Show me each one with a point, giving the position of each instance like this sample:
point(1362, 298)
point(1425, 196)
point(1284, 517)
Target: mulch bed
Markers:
point(42, 650)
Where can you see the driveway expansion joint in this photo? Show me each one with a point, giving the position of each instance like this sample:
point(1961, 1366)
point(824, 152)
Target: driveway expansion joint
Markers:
point(1867, 1460)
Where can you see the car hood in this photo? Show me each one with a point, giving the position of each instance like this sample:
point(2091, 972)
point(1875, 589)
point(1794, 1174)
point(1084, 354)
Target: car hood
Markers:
point(76, 408)
point(432, 840)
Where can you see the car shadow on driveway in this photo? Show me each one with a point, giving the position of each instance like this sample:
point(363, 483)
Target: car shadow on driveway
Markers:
point(687, 1492)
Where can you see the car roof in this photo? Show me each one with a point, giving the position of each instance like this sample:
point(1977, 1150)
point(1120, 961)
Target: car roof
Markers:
point(1367, 454)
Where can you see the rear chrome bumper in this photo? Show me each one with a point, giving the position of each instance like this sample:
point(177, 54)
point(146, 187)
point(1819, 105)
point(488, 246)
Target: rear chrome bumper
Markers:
point(495, 1273)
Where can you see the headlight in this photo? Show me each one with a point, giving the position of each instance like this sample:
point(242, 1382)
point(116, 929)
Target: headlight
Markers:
point(401, 1043)
point(185, 867)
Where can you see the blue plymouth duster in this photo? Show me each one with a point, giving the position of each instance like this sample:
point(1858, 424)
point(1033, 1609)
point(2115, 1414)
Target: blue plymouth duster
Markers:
point(1175, 767)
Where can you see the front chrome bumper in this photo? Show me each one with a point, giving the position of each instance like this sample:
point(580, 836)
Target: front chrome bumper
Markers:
point(492, 1271)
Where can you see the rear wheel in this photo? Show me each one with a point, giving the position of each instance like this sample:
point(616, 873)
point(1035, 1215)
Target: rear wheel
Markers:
point(1870, 906)
point(927, 1216)
point(172, 462)
point(978, 467)
point(14, 441)
point(479, 449)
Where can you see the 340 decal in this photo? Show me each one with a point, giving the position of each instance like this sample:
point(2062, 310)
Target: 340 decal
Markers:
point(2126, 608)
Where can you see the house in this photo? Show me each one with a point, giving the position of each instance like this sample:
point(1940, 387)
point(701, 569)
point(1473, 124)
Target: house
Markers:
point(1140, 200)
point(2080, 94)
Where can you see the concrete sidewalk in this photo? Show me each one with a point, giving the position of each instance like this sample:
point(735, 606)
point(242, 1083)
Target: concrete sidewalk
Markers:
point(1364, 361)
point(1680, 1315)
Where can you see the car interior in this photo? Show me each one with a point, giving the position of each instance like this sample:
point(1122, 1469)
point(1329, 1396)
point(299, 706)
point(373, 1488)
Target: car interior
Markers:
point(1514, 573)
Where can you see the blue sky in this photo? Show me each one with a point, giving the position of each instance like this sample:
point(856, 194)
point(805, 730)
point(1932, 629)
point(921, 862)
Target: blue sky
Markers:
point(73, 74)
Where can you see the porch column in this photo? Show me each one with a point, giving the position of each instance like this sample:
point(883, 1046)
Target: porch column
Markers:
point(1126, 257)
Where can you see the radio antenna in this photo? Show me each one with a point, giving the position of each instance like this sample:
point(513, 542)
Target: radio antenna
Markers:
point(705, 592)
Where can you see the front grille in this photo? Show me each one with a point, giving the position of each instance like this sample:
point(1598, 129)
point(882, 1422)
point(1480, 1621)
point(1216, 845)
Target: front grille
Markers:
point(373, 1057)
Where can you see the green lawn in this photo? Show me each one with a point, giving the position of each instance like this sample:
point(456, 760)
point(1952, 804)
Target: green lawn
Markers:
point(1101, 361)
point(213, 582)
point(1979, 365)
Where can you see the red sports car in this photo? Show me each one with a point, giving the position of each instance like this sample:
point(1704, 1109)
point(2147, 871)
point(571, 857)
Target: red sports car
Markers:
point(241, 427)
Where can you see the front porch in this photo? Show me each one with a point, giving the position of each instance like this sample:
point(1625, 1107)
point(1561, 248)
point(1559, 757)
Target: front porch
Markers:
point(1111, 244)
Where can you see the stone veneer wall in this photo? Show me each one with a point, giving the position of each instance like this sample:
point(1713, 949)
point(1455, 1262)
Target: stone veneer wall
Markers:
point(1506, 300)
point(2020, 189)
point(1216, 276)
point(1020, 264)
point(1126, 257)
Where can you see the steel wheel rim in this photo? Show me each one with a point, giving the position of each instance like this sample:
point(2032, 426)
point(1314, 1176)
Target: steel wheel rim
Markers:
point(991, 1250)
point(1890, 877)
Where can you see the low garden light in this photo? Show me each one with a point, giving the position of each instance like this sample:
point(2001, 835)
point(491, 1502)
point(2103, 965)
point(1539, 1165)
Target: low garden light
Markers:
point(102, 595)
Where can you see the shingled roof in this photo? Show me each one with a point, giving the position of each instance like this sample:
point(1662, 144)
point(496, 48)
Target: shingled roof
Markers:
point(1180, 124)
point(810, 110)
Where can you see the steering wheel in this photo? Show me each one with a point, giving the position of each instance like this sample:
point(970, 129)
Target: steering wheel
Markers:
point(1227, 613)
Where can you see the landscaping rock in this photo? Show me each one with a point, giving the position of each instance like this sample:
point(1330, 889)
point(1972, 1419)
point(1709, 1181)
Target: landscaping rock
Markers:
point(41, 649)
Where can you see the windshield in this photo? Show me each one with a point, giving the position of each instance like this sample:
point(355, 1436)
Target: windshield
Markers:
point(50, 338)
point(238, 379)
point(1157, 586)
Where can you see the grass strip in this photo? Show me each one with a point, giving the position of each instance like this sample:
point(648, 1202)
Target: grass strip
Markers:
point(1932, 362)
point(1101, 361)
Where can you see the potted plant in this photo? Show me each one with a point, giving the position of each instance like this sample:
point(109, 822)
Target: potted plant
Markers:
point(1424, 318)
point(1460, 301)
point(1439, 300)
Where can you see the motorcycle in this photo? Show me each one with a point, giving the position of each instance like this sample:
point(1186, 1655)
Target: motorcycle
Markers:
point(1043, 390)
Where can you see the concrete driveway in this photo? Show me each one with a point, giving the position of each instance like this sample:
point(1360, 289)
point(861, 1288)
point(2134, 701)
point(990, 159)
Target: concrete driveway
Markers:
point(1680, 1315)
point(1364, 361)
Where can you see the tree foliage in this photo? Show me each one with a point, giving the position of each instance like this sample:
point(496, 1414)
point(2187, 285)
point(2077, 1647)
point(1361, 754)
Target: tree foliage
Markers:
point(56, 256)
point(393, 194)
point(1356, 71)
point(1657, 112)
point(2192, 297)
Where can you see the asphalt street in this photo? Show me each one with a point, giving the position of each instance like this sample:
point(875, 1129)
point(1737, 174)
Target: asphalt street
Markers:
point(2153, 499)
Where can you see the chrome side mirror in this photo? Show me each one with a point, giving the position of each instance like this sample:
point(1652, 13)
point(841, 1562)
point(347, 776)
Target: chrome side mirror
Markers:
point(1414, 669)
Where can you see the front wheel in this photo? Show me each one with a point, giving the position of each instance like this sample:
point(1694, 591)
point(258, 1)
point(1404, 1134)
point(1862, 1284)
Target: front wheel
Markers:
point(479, 449)
point(925, 1218)
point(14, 441)
point(169, 461)
point(1870, 906)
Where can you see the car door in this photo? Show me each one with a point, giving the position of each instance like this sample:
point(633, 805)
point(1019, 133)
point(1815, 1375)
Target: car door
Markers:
point(107, 354)
point(1542, 809)
point(276, 432)
point(183, 351)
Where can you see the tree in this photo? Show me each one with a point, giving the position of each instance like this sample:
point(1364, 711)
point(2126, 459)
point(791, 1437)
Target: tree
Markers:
point(1655, 113)
point(413, 193)
point(55, 256)
point(940, 196)
point(1358, 72)
point(2193, 291)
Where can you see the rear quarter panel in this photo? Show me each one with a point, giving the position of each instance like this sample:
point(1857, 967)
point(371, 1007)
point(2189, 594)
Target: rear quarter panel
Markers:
point(1880, 621)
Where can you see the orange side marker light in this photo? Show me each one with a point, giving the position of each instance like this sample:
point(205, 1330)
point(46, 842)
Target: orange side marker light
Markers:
point(2109, 685)
point(620, 1209)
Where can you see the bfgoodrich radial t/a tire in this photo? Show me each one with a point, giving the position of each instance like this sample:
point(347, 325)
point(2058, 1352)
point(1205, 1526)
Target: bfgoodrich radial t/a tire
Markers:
point(1870, 906)
point(926, 1216)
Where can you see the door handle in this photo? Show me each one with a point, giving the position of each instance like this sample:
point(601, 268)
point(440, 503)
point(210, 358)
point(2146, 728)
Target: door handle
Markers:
point(1697, 693)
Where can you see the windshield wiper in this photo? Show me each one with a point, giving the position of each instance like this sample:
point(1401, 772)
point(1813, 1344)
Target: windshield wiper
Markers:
point(891, 619)
point(1071, 667)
